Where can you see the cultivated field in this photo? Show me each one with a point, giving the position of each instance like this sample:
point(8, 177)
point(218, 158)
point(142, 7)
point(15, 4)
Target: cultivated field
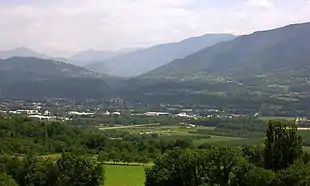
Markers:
point(124, 175)
point(183, 131)
point(267, 118)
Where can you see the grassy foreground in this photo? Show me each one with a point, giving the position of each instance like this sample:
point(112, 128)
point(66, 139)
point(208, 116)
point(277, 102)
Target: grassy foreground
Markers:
point(124, 175)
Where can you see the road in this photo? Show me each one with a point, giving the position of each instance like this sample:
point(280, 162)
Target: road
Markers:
point(128, 126)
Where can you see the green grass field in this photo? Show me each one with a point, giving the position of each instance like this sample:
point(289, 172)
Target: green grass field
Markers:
point(216, 139)
point(123, 175)
point(165, 130)
point(267, 118)
point(306, 149)
point(126, 127)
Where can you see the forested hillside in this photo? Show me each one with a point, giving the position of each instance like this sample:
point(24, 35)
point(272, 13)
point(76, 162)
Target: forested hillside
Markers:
point(28, 157)
point(144, 60)
point(38, 78)
point(263, 52)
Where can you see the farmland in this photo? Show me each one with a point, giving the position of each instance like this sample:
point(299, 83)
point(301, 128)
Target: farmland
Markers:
point(123, 175)
point(189, 133)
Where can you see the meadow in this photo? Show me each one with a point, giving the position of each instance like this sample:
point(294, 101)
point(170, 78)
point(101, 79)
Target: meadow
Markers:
point(133, 174)
point(187, 132)
point(124, 175)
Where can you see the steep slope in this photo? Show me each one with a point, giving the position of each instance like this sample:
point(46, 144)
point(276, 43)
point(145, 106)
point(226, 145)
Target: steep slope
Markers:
point(21, 52)
point(139, 62)
point(42, 68)
point(33, 77)
point(282, 49)
point(91, 56)
point(86, 57)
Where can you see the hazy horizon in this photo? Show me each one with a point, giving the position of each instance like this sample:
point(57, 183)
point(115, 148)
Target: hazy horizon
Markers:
point(65, 27)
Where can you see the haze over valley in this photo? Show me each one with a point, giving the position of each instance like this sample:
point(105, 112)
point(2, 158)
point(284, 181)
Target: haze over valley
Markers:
point(154, 93)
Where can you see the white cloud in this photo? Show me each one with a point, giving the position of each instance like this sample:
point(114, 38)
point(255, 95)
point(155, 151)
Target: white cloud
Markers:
point(261, 3)
point(64, 26)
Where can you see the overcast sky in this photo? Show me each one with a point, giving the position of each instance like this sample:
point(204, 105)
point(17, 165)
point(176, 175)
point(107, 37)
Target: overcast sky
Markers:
point(62, 27)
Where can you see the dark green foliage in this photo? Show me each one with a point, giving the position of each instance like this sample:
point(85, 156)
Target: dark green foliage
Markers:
point(194, 167)
point(24, 136)
point(6, 180)
point(177, 168)
point(40, 78)
point(283, 145)
point(231, 166)
point(255, 176)
point(69, 169)
point(79, 171)
point(254, 154)
point(298, 175)
point(246, 127)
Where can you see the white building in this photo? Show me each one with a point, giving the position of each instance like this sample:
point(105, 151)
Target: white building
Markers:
point(40, 117)
point(80, 113)
point(156, 113)
point(182, 115)
point(47, 113)
point(116, 113)
point(28, 112)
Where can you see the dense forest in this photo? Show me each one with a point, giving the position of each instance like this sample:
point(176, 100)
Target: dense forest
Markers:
point(27, 148)
point(21, 136)
point(281, 161)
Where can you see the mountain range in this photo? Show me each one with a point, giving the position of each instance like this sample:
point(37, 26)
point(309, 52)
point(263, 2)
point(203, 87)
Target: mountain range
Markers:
point(92, 56)
point(21, 52)
point(142, 61)
point(262, 52)
point(28, 77)
point(270, 61)
point(80, 59)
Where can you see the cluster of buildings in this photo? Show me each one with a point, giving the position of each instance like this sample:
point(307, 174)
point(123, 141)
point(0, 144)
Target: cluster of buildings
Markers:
point(36, 114)
point(301, 121)
point(107, 113)
point(46, 115)
point(183, 114)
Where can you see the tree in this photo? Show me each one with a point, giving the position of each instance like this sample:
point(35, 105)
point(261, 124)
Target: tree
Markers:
point(33, 172)
point(283, 145)
point(79, 171)
point(248, 173)
point(254, 154)
point(114, 156)
point(104, 156)
point(6, 180)
point(222, 162)
point(188, 167)
point(69, 169)
point(176, 168)
point(126, 157)
point(297, 174)
point(181, 143)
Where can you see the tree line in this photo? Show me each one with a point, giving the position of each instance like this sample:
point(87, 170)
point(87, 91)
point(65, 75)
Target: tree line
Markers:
point(21, 135)
point(280, 161)
point(69, 169)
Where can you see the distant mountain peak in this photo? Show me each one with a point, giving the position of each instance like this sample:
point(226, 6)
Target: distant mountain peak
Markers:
point(21, 51)
point(266, 51)
point(91, 55)
point(142, 61)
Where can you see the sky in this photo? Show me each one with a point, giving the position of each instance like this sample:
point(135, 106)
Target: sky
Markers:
point(64, 27)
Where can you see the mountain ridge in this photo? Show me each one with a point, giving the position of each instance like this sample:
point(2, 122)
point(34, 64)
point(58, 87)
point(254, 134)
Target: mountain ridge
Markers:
point(26, 77)
point(21, 51)
point(87, 57)
point(251, 51)
point(139, 62)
